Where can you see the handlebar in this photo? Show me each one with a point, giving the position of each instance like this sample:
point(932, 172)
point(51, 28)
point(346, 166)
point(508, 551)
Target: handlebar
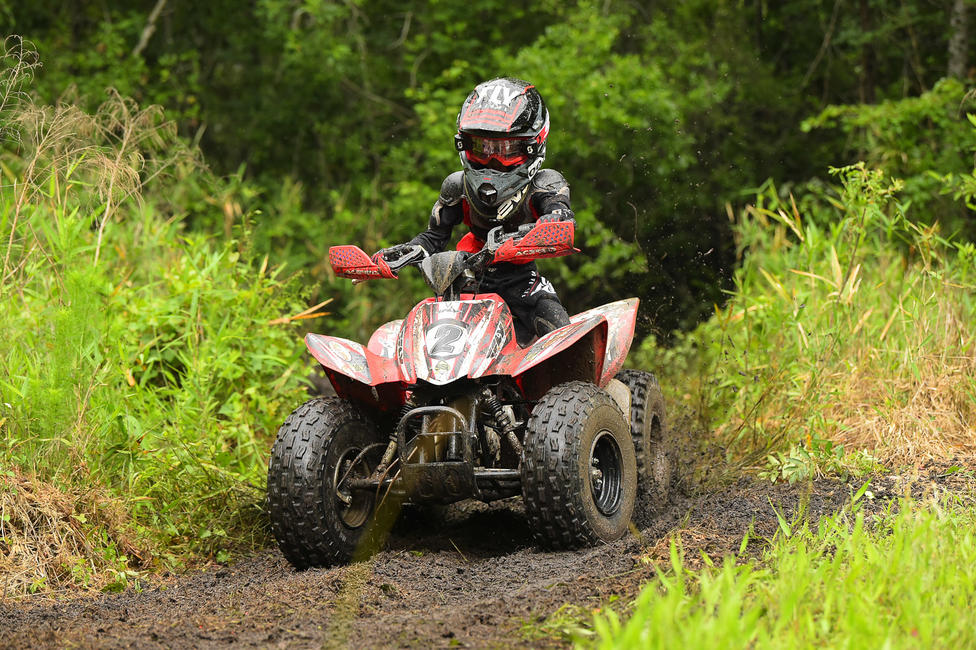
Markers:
point(529, 242)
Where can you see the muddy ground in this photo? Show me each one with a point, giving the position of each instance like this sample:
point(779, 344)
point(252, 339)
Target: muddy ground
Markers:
point(475, 580)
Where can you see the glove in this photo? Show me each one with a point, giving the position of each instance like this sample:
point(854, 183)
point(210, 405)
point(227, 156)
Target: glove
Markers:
point(559, 214)
point(390, 253)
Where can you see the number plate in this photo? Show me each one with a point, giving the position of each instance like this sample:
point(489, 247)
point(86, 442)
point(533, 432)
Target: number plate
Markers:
point(446, 339)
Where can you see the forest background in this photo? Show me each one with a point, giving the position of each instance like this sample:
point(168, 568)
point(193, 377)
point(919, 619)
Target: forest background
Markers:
point(155, 259)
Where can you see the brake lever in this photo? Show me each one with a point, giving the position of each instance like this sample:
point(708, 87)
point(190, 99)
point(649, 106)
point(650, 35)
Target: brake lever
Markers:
point(479, 261)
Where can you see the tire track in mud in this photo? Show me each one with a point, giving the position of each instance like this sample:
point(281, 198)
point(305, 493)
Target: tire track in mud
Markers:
point(471, 579)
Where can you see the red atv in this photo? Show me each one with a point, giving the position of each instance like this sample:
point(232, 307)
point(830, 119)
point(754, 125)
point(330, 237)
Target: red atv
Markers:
point(444, 405)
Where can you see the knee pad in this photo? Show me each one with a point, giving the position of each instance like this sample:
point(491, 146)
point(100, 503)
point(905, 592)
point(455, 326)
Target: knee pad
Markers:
point(549, 315)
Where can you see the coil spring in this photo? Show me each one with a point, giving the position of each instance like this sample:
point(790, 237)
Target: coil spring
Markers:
point(388, 455)
point(408, 405)
point(497, 412)
point(501, 420)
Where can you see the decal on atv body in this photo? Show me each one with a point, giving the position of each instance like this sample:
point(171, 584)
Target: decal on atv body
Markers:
point(442, 341)
point(384, 340)
point(447, 340)
point(341, 355)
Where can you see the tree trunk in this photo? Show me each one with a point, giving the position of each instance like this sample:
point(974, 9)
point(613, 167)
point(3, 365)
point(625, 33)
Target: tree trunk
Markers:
point(867, 57)
point(958, 35)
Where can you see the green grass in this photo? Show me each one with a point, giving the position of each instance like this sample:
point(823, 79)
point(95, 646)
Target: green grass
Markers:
point(851, 328)
point(141, 377)
point(904, 580)
point(155, 374)
point(847, 346)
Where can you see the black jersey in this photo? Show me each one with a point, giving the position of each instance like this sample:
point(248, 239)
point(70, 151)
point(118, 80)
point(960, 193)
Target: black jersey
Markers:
point(548, 193)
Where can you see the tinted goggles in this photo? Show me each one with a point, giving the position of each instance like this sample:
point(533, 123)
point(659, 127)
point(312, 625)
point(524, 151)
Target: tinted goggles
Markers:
point(507, 151)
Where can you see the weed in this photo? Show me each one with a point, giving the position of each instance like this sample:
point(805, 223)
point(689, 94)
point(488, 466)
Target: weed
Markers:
point(568, 623)
point(817, 458)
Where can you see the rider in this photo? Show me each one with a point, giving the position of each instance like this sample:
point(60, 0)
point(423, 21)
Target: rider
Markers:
point(502, 130)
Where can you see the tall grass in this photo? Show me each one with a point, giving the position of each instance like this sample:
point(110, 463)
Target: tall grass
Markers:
point(848, 339)
point(850, 324)
point(905, 580)
point(138, 361)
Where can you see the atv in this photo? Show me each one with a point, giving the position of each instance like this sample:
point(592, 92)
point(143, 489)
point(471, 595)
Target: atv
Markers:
point(445, 405)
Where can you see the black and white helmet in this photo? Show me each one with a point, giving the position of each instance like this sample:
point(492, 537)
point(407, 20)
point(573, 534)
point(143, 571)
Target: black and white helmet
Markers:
point(502, 130)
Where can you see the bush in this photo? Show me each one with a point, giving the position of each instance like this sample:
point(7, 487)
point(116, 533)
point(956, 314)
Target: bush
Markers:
point(851, 323)
point(136, 358)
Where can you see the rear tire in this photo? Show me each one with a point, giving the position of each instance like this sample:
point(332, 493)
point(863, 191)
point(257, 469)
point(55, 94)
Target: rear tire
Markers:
point(579, 474)
point(654, 446)
point(324, 442)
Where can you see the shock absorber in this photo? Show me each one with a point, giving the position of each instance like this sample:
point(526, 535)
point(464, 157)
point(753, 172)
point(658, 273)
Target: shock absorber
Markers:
point(502, 420)
point(408, 405)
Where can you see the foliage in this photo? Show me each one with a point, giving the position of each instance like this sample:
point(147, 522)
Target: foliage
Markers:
point(336, 118)
point(903, 580)
point(136, 289)
point(135, 357)
point(817, 458)
point(849, 323)
point(920, 140)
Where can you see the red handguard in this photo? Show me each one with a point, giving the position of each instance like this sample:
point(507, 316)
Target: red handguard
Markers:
point(549, 239)
point(352, 262)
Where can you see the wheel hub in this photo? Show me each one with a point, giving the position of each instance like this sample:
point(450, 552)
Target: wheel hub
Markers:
point(353, 506)
point(606, 473)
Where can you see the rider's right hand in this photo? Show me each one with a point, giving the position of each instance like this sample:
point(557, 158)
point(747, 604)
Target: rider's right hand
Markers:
point(390, 253)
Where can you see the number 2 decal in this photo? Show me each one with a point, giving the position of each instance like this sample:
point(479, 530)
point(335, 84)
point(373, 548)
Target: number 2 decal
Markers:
point(445, 340)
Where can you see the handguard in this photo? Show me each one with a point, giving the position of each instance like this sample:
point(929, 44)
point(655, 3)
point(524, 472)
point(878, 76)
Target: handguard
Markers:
point(546, 239)
point(352, 262)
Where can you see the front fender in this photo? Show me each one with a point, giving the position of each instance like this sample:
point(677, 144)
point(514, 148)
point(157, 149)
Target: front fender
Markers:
point(555, 342)
point(352, 360)
point(621, 318)
point(383, 341)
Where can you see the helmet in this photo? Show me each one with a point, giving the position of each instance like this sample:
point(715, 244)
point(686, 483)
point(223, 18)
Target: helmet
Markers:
point(502, 130)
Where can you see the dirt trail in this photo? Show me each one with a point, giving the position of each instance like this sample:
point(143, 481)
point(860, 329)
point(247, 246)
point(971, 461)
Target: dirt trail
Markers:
point(474, 581)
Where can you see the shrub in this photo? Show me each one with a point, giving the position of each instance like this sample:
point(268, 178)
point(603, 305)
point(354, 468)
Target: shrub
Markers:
point(852, 324)
point(137, 359)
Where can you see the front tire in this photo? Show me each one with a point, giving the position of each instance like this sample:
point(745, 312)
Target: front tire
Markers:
point(579, 474)
point(315, 518)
